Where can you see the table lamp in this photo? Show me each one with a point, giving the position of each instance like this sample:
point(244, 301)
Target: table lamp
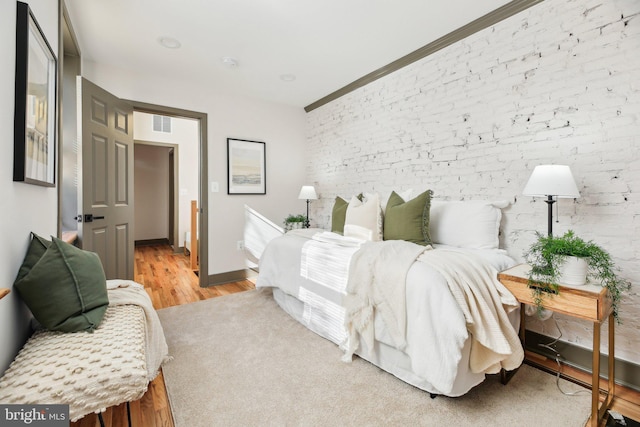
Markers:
point(552, 182)
point(309, 193)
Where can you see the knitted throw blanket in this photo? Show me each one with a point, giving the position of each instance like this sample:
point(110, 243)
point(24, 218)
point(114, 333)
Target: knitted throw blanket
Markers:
point(484, 302)
point(376, 286)
point(91, 371)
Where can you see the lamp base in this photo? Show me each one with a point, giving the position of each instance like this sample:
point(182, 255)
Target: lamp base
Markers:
point(549, 203)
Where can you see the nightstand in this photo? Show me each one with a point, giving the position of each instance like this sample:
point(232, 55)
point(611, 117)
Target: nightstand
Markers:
point(589, 302)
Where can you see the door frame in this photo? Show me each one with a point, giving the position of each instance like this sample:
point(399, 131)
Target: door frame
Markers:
point(66, 45)
point(174, 184)
point(203, 166)
point(203, 196)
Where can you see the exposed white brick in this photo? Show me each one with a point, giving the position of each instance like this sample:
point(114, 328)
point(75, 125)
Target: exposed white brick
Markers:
point(557, 83)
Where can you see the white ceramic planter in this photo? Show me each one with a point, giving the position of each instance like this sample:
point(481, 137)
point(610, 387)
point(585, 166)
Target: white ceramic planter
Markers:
point(574, 271)
point(293, 226)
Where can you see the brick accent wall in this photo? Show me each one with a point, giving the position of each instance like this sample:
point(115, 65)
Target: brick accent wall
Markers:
point(558, 83)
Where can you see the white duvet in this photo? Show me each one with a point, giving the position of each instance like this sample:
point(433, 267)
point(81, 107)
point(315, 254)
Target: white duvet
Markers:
point(436, 326)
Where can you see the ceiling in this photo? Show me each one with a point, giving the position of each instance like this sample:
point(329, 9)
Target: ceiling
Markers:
point(325, 44)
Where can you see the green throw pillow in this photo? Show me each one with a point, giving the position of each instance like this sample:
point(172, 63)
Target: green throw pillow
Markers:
point(37, 247)
point(408, 220)
point(339, 214)
point(65, 289)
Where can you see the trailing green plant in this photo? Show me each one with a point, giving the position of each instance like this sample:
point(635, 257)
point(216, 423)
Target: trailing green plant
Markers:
point(548, 253)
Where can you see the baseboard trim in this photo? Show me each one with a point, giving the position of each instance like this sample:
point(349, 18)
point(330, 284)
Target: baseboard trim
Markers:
point(626, 373)
point(152, 242)
point(230, 276)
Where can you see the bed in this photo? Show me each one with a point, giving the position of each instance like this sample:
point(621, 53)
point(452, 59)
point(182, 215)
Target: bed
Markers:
point(431, 313)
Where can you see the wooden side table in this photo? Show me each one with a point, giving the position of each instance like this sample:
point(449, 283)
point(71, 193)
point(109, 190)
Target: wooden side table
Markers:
point(589, 302)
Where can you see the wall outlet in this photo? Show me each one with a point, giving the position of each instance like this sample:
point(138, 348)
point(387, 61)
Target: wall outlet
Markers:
point(240, 245)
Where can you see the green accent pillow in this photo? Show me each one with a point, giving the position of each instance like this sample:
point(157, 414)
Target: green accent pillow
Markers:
point(339, 214)
point(408, 220)
point(66, 289)
point(37, 247)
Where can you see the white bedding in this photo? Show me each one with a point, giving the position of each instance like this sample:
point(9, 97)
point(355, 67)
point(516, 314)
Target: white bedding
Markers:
point(438, 347)
point(374, 291)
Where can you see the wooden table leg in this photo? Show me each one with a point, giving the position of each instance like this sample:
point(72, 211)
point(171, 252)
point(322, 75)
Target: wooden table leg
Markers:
point(595, 380)
point(608, 400)
point(599, 412)
point(522, 326)
point(612, 359)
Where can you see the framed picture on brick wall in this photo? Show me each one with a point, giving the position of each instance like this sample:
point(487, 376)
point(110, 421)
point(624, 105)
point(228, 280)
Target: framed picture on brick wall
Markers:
point(246, 167)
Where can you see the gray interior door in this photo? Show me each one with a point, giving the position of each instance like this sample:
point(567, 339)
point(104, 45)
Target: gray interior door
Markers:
point(106, 187)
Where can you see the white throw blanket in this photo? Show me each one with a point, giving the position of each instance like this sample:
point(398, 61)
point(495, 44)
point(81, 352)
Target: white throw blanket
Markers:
point(376, 286)
point(122, 292)
point(480, 296)
point(330, 237)
point(326, 258)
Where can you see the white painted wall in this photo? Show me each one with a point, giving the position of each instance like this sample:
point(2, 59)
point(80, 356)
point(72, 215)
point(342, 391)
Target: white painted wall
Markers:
point(184, 133)
point(23, 208)
point(151, 192)
point(281, 127)
point(558, 83)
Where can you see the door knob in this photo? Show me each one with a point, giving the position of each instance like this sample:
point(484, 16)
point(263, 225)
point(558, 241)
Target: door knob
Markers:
point(90, 217)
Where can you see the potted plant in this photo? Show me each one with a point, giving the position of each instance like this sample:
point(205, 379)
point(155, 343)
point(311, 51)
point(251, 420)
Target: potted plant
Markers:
point(294, 221)
point(549, 255)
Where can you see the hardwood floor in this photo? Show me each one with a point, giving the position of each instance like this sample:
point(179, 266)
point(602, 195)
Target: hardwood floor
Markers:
point(169, 281)
point(168, 278)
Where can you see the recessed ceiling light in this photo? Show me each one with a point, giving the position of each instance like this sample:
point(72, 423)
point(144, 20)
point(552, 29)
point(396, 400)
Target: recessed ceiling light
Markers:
point(287, 77)
point(169, 42)
point(229, 61)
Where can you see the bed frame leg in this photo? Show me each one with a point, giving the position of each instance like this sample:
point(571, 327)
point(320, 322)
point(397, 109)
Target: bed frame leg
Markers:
point(100, 419)
point(433, 395)
point(505, 376)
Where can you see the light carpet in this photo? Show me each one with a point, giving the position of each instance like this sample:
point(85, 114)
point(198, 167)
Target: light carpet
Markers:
point(239, 360)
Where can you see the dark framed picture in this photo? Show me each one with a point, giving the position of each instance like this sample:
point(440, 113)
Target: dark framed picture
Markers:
point(246, 167)
point(34, 147)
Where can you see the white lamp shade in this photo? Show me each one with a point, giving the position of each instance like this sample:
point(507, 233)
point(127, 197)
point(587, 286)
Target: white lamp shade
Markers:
point(307, 192)
point(551, 180)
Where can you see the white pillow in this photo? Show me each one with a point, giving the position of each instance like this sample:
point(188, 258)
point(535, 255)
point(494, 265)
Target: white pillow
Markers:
point(366, 214)
point(466, 224)
point(357, 232)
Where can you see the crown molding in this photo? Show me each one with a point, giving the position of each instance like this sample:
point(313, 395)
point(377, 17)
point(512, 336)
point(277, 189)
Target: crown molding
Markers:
point(491, 18)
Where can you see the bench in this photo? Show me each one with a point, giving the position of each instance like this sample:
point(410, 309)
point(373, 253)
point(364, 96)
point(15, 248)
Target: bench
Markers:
point(87, 371)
